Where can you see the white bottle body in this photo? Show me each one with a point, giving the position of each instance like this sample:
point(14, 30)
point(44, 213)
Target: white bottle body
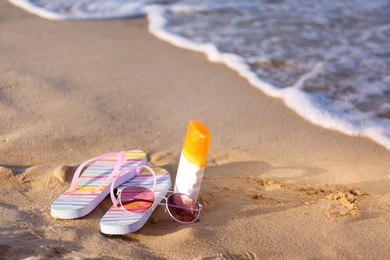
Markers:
point(188, 178)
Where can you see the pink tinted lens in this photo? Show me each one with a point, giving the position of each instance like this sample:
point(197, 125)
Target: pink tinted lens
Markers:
point(136, 199)
point(183, 208)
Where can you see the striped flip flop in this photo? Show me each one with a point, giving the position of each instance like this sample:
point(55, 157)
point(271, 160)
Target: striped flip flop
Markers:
point(90, 187)
point(117, 221)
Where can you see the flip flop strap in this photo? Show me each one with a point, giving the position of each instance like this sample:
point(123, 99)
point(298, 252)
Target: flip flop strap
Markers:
point(138, 170)
point(76, 176)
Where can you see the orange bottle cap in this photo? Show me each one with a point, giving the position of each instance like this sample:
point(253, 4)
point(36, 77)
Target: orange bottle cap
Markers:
point(196, 143)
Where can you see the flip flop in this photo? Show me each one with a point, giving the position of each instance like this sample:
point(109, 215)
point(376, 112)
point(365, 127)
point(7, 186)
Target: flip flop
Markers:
point(117, 221)
point(88, 189)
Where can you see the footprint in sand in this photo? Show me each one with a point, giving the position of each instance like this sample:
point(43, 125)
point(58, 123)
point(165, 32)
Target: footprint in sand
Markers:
point(266, 195)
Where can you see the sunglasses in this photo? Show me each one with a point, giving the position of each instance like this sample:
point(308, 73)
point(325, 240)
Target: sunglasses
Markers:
point(138, 199)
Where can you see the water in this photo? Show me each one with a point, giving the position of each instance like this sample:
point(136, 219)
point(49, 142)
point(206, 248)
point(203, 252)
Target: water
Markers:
point(328, 60)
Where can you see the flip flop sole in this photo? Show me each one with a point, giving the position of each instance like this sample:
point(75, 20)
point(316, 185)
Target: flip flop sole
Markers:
point(117, 221)
point(81, 202)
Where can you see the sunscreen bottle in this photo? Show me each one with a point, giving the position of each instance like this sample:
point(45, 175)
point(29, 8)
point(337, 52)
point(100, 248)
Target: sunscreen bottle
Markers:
point(193, 159)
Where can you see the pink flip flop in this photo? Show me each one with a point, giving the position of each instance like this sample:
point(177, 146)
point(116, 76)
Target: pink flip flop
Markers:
point(117, 221)
point(89, 188)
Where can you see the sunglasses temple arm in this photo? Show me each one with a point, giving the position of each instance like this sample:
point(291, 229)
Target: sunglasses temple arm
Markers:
point(177, 207)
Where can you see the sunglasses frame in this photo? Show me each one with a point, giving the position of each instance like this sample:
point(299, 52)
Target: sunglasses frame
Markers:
point(199, 206)
point(138, 170)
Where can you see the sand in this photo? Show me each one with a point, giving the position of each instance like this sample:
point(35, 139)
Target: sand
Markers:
point(275, 186)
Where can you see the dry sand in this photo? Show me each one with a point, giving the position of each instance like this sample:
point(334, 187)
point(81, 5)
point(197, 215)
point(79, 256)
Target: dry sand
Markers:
point(275, 186)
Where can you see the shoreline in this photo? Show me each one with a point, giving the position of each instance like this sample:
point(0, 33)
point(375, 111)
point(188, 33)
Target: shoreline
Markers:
point(292, 97)
point(275, 186)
